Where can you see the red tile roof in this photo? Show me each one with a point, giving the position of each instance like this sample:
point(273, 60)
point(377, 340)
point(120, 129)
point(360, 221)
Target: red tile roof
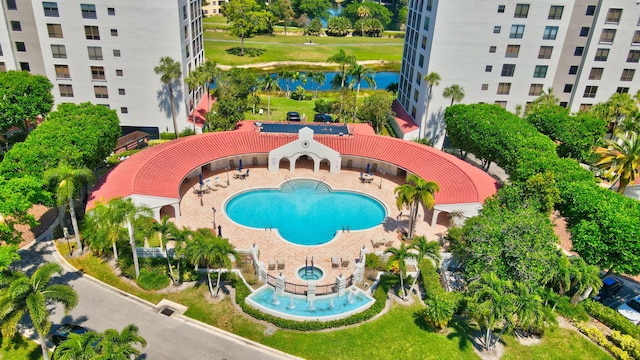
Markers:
point(403, 119)
point(201, 110)
point(159, 170)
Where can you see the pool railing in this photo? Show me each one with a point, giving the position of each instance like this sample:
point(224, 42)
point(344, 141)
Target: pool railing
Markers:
point(301, 289)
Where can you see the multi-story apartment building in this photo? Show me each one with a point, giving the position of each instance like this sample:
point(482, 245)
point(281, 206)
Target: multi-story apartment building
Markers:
point(213, 7)
point(508, 52)
point(105, 51)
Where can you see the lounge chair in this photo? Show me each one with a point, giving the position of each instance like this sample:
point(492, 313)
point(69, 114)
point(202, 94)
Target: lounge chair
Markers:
point(280, 264)
point(272, 264)
point(345, 262)
point(246, 173)
point(218, 183)
point(335, 263)
point(389, 243)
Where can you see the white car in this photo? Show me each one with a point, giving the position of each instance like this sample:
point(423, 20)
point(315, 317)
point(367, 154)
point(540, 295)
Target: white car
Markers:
point(631, 310)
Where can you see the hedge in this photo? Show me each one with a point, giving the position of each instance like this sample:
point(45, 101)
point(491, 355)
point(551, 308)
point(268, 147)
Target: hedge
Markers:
point(611, 318)
point(242, 291)
point(626, 343)
point(596, 336)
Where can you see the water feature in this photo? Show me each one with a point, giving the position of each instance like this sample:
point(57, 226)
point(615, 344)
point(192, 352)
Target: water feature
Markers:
point(310, 273)
point(303, 212)
point(382, 78)
point(323, 308)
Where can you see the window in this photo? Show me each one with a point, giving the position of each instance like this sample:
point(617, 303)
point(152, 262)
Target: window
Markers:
point(568, 88)
point(97, 73)
point(512, 51)
point(95, 52)
point(522, 11)
point(516, 31)
point(3, 67)
point(15, 26)
point(535, 89)
point(555, 12)
point(413, 112)
point(585, 107)
point(578, 51)
point(418, 77)
point(622, 90)
point(591, 9)
point(116, 53)
point(550, 33)
point(66, 90)
point(423, 45)
point(101, 92)
point(91, 33)
point(584, 31)
point(88, 11)
point(20, 46)
point(121, 92)
point(590, 91)
point(627, 74)
point(634, 56)
point(496, 29)
point(607, 36)
point(504, 88)
point(508, 70)
point(613, 16)
point(114, 32)
point(415, 95)
point(111, 11)
point(24, 66)
point(492, 49)
point(484, 87)
point(50, 9)
point(11, 5)
point(427, 21)
point(55, 31)
point(421, 60)
point(1, 51)
point(540, 71)
point(545, 52)
point(120, 73)
point(58, 51)
point(500, 9)
point(601, 55)
point(429, 5)
point(124, 110)
point(636, 38)
point(62, 72)
point(596, 73)
point(573, 70)
point(502, 104)
point(488, 68)
point(564, 104)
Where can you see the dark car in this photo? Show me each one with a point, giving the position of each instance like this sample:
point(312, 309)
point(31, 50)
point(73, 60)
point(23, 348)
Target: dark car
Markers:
point(62, 333)
point(293, 116)
point(322, 118)
point(611, 285)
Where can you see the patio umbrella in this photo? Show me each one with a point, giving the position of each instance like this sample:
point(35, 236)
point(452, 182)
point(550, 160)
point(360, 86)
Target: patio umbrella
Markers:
point(220, 230)
point(200, 179)
point(240, 164)
point(368, 168)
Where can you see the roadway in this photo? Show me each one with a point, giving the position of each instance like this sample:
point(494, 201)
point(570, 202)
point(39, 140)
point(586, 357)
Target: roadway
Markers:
point(101, 307)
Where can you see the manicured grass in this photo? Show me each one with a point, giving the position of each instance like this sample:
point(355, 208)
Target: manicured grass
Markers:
point(20, 348)
point(279, 48)
point(279, 108)
point(560, 344)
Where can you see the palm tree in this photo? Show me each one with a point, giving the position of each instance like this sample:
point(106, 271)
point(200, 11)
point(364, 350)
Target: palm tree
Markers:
point(560, 276)
point(432, 79)
point(169, 71)
point(492, 303)
point(269, 83)
point(363, 12)
point(196, 79)
point(129, 212)
point(182, 237)
point(78, 347)
point(120, 345)
point(342, 59)
point(31, 296)
point(211, 74)
point(528, 308)
point(401, 254)
point(428, 249)
point(200, 251)
point(317, 77)
point(455, 92)
point(415, 192)
point(439, 311)
point(164, 228)
point(620, 158)
point(546, 99)
point(359, 73)
point(101, 230)
point(222, 249)
point(69, 181)
point(287, 76)
point(586, 279)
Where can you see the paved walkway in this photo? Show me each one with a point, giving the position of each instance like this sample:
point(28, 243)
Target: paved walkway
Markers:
point(345, 245)
point(101, 307)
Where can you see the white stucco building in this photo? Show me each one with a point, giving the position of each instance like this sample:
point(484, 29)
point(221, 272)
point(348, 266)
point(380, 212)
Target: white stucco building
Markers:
point(508, 52)
point(104, 52)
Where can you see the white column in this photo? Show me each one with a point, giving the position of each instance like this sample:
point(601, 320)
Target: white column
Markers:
point(280, 280)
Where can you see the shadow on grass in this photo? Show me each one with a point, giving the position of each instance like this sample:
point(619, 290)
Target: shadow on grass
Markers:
point(460, 331)
point(250, 52)
point(18, 346)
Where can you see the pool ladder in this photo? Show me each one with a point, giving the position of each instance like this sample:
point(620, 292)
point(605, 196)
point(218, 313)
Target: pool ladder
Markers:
point(308, 270)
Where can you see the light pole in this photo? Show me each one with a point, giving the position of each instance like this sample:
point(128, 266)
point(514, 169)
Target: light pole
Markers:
point(214, 218)
point(65, 231)
point(227, 169)
point(381, 175)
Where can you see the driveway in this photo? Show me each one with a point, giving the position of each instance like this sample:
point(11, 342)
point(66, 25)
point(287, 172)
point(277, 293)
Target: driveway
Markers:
point(100, 307)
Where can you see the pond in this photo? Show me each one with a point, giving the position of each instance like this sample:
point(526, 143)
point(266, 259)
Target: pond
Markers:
point(383, 79)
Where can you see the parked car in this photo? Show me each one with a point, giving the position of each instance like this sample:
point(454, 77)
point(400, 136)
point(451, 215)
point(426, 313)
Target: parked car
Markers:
point(293, 116)
point(322, 118)
point(611, 285)
point(631, 310)
point(62, 333)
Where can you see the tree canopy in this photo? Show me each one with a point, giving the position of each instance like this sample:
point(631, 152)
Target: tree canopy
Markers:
point(246, 18)
point(23, 97)
point(376, 109)
point(376, 11)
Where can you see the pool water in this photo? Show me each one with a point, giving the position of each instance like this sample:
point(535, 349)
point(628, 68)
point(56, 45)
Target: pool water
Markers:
point(304, 211)
point(329, 307)
point(313, 274)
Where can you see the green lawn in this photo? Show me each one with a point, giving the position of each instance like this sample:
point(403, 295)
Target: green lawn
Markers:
point(280, 106)
point(279, 48)
point(22, 349)
point(558, 344)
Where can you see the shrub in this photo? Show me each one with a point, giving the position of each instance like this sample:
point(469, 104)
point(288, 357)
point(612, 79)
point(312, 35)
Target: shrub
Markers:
point(373, 262)
point(151, 280)
point(322, 106)
point(611, 318)
point(187, 131)
point(338, 26)
point(314, 28)
point(167, 136)
point(575, 313)
point(626, 343)
point(299, 94)
point(596, 336)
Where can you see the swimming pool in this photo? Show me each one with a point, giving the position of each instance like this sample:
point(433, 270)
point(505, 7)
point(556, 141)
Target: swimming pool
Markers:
point(305, 211)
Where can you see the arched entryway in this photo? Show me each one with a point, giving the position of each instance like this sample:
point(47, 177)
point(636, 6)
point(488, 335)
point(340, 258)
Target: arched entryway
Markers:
point(304, 162)
point(325, 165)
point(168, 210)
point(284, 164)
